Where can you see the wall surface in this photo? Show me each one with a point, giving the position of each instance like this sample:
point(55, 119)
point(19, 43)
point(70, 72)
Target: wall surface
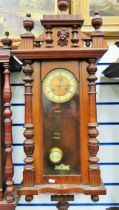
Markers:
point(108, 119)
point(12, 13)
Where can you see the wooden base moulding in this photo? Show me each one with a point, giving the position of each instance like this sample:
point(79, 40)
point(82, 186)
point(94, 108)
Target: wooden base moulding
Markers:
point(62, 189)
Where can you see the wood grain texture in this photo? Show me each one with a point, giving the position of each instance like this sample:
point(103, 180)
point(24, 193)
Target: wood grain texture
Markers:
point(64, 53)
point(6, 206)
point(28, 174)
point(93, 178)
point(63, 45)
point(27, 38)
point(4, 55)
point(9, 168)
point(62, 189)
point(69, 127)
point(94, 171)
point(84, 108)
point(37, 121)
point(6, 164)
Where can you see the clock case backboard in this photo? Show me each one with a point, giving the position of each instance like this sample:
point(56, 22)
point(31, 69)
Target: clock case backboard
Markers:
point(61, 118)
point(61, 45)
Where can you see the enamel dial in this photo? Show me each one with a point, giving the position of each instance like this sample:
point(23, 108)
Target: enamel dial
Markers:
point(59, 85)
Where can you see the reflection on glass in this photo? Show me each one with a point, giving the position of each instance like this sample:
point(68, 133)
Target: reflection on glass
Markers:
point(105, 7)
point(61, 132)
point(12, 13)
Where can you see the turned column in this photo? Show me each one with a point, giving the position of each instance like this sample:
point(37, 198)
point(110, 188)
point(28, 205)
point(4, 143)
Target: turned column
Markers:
point(94, 171)
point(28, 174)
point(9, 169)
point(7, 94)
point(49, 39)
point(75, 38)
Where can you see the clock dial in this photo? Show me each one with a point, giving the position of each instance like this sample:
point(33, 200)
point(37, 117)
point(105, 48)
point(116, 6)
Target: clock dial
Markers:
point(59, 85)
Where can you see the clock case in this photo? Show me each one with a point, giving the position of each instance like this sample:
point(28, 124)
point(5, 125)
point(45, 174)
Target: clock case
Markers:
point(61, 45)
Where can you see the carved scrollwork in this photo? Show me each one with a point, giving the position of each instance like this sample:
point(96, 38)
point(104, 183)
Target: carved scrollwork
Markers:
point(63, 35)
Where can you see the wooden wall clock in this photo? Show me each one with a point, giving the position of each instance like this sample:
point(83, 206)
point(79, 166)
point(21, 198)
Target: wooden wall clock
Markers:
point(60, 107)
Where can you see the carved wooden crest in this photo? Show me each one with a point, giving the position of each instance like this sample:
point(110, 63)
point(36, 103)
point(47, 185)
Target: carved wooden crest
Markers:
point(63, 35)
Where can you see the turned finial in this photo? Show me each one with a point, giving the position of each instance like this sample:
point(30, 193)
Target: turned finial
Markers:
point(7, 42)
point(97, 21)
point(63, 5)
point(28, 23)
